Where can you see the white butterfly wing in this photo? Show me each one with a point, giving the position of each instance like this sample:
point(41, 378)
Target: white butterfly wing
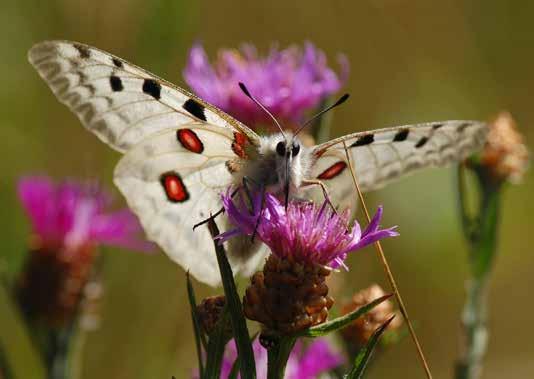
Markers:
point(119, 102)
point(171, 188)
point(383, 155)
point(180, 152)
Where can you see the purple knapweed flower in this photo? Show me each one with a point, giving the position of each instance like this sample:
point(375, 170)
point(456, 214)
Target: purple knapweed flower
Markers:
point(303, 363)
point(304, 232)
point(288, 82)
point(69, 220)
point(71, 215)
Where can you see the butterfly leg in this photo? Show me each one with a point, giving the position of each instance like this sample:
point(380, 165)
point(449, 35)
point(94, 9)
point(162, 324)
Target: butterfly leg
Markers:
point(317, 182)
point(246, 181)
point(212, 216)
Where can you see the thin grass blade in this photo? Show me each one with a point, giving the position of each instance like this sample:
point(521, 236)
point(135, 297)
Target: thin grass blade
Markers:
point(363, 357)
point(199, 335)
point(239, 326)
point(341, 322)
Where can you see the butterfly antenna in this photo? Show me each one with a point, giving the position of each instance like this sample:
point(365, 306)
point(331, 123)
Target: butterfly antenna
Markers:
point(247, 93)
point(341, 100)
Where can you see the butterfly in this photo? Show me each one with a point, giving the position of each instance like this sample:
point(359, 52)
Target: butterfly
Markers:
point(180, 153)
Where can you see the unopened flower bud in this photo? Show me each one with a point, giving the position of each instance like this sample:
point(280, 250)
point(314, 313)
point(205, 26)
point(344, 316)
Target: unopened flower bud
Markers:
point(505, 155)
point(360, 330)
point(209, 314)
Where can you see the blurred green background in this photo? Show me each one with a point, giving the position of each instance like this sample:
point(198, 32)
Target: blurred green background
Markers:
point(411, 61)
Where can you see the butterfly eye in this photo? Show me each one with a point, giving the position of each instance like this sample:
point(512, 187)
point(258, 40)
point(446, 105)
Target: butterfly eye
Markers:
point(281, 148)
point(295, 149)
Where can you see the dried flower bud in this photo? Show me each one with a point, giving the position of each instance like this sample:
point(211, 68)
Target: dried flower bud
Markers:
point(51, 284)
point(360, 330)
point(209, 313)
point(288, 297)
point(505, 155)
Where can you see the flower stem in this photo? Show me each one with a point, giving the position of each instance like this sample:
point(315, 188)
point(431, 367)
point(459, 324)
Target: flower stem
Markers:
point(481, 234)
point(475, 340)
point(58, 354)
point(278, 356)
point(389, 273)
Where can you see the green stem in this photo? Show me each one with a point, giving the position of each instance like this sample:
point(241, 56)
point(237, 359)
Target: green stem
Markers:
point(58, 356)
point(278, 356)
point(475, 339)
point(481, 235)
point(75, 353)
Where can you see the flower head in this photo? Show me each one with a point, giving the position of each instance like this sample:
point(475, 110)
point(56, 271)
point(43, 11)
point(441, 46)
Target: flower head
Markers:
point(304, 232)
point(70, 215)
point(288, 82)
point(303, 363)
point(68, 220)
point(505, 155)
point(358, 333)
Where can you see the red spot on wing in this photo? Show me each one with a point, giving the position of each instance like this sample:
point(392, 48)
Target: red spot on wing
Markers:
point(333, 171)
point(174, 187)
point(238, 145)
point(190, 140)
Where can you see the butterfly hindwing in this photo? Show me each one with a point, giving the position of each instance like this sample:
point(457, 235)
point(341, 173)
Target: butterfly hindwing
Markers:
point(384, 155)
point(173, 180)
point(119, 102)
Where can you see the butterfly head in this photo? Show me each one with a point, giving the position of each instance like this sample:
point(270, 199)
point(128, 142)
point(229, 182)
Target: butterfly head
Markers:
point(282, 163)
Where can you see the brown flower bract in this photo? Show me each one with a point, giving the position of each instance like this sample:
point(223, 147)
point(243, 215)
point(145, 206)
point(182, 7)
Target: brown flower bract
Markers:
point(288, 297)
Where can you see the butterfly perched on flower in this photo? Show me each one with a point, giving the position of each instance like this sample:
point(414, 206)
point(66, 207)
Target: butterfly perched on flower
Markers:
point(181, 153)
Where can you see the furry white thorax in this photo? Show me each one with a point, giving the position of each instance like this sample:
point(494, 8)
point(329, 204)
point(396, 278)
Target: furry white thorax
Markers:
point(268, 168)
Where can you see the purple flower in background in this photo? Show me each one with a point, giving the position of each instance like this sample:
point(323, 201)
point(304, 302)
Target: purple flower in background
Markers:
point(304, 232)
point(303, 363)
point(70, 215)
point(288, 82)
point(69, 220)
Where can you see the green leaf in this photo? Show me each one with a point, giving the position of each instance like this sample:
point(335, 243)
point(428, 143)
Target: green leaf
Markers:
point(235, 370)
point(19, 353)
point(199, 335)
point(361, 360)
point(217, 342)
point(247, 366)
point(341, 322)
point(235, 366)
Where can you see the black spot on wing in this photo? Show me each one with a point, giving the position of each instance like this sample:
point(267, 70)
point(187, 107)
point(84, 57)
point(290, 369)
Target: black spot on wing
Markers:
point(195, 108)
point(421, 142)
point(462, 127)
point(117, 63)
point(401, 135)
point(436, 126)
point(84, 51)
point(365, 140)
point(152, 88)
point(116, 83)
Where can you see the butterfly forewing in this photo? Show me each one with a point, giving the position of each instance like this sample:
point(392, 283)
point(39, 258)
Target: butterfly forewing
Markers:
point(180, 152)
point(118, 101)
point(383, 155)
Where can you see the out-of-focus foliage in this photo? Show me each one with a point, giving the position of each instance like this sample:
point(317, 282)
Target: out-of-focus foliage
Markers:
point(410, 61)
